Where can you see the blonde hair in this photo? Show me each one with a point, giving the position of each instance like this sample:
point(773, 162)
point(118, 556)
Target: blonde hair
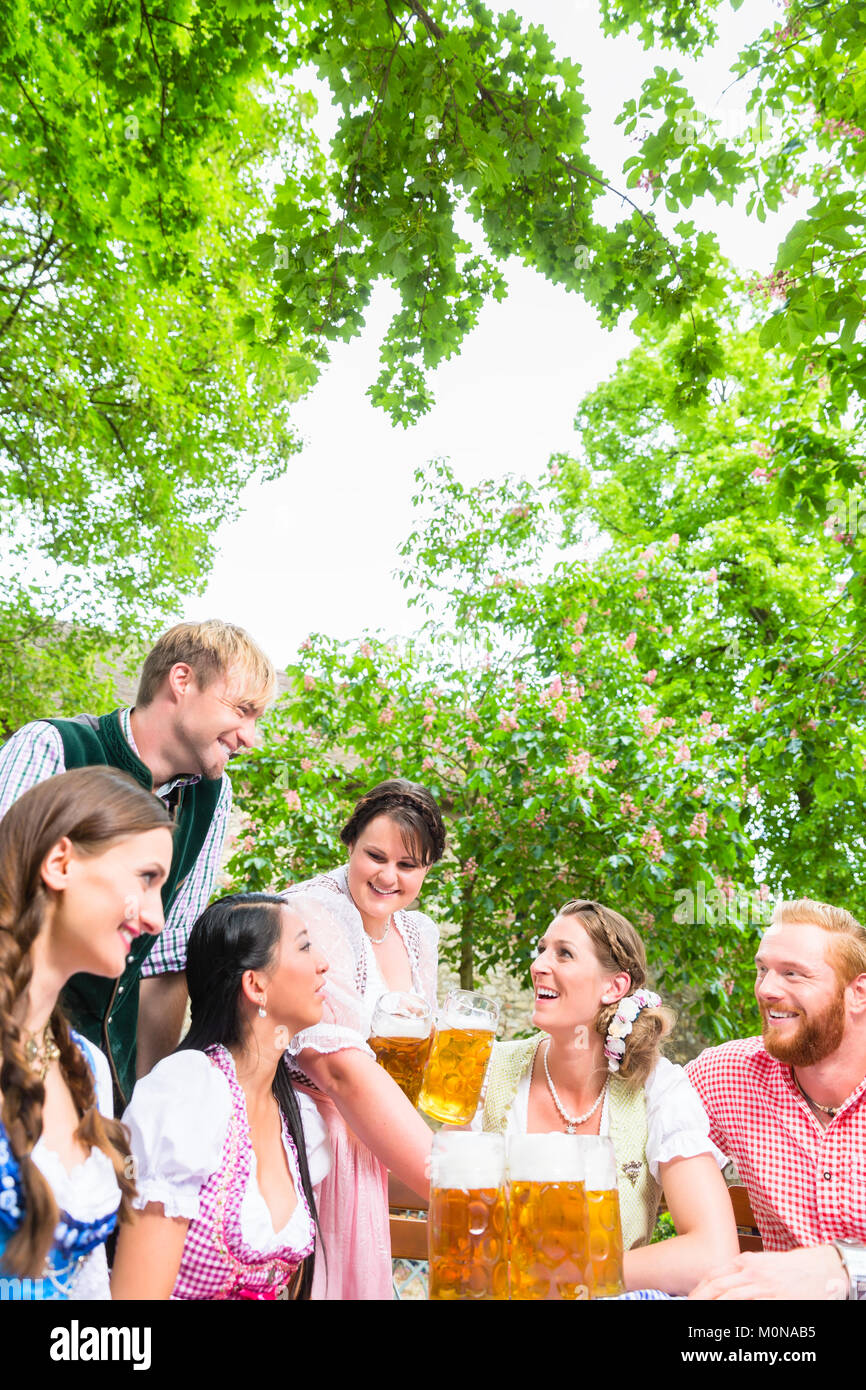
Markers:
point(848, 945)
point(211, 649)
point(618, 947)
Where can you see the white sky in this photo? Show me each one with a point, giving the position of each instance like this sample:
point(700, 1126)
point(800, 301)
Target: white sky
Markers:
point(316, 550)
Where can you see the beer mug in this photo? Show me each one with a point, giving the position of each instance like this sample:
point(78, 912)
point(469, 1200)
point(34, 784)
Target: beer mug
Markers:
point(547, 1217)
point(400, 1037)
point(467, 1222)
point(458, 1058)
point(605, 1228)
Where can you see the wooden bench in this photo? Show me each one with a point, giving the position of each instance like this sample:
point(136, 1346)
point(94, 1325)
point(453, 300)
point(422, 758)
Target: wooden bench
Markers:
point(409, 1221)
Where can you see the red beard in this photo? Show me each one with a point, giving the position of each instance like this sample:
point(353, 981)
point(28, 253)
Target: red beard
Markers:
point(815, 1037)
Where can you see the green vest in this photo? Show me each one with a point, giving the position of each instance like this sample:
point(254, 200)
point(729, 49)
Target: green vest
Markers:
point(639, 1192)
point(106, 1011)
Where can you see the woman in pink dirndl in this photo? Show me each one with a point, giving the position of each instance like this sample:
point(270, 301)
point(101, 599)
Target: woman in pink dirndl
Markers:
point(226, 1153)
point(373, 944)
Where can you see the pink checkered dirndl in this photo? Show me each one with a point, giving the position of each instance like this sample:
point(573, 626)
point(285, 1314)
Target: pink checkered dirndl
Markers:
point(216, 1262)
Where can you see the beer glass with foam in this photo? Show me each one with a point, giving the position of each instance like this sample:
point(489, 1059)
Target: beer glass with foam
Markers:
point(605, 1228)
point(400, 1037)
point(458, 1058)
point(467, 1223)
point(547, 1217)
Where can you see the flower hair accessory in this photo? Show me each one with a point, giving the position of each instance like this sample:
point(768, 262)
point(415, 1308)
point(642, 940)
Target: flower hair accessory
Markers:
point(622, 1023)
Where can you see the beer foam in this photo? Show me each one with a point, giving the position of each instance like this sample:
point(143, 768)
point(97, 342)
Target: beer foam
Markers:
point(474, 1021)
point(403, 1028)
point(464, 1160)
point(599, 1162)
point(545, 1158)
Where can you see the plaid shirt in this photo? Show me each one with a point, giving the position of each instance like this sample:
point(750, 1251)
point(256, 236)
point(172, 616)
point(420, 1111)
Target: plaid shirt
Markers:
point(806, 1181)
point(35, 753)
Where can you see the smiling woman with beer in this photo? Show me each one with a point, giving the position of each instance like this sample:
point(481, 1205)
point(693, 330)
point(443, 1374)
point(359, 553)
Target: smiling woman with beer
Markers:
point(595, 1069)
point(374, 945)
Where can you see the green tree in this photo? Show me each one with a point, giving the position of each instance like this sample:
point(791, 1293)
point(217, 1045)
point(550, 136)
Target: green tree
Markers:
point(775, 653)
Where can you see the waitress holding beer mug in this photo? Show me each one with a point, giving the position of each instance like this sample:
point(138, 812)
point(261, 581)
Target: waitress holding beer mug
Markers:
point(373, 945)
point(595, 1069)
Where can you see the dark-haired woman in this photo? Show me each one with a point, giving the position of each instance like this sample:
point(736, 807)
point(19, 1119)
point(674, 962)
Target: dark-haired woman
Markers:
point(373, 943)
point(82, 859)
point(596, 1069)
point(225, 1164)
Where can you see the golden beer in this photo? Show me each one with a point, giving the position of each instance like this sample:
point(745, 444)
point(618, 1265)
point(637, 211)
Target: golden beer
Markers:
point(549, 1240)
point(455, 1074)
point(605, 1244)
point(468, 1217)
point(404, 1059)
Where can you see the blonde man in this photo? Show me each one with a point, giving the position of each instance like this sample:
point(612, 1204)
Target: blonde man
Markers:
point(202, 688)
point(790, 1108)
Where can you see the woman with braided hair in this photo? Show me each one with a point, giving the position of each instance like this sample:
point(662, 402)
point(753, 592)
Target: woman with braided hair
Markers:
point(596, 1069)
point(373, 943)
point(82, 859)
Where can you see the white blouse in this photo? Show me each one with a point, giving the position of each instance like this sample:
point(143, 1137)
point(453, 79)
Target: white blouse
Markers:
point(677, 1124)
point(89, 1191)
point(178, 1118)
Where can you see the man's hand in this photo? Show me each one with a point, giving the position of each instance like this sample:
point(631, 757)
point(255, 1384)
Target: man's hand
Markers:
point(816, 1273)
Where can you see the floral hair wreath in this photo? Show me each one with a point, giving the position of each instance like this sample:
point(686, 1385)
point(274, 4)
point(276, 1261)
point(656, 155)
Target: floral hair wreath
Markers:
point(622, 1023)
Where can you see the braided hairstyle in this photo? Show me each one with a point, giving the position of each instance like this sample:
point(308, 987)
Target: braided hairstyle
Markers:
point(411, 807)
point(94, 807)
point(618, 947)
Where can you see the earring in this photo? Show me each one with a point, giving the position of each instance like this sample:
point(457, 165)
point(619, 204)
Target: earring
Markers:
point(263, 1013)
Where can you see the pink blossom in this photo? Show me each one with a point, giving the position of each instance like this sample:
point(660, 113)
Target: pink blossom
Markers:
point(648, 555)
point(646, 713)
point(651, 841)
point(705, 718)
point(472, 745)
point(386, 716)
point(668, 721)
point(428, 765)
point(306, 765)
point(650, 676)
point(581, 623)
point(427, 721)
point(700, 790)
point(554, 690)
point(366, 650)
point(711, 576)
point(577, 648)
point(560, 711)
point(293, 801)
point(627, 807)
point(674, 540)
point(608, 765)
point(306, 645)
point(577, 763)
point(309, 683)
point(764, 892)
point(764, 451)
point(508, 722)
point(641, 593)
point(757, 704)
point(683, 753)
point(640, 574)
point(698, 827)
point(667, 631)
point(429, 704)
point(630, 641)
point(470, 869)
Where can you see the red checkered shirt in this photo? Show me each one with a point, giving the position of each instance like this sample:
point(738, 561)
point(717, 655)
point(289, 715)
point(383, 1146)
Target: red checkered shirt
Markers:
point(806, 1182)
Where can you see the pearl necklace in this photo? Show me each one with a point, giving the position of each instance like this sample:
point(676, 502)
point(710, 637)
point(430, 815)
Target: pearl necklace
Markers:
point(377, 940)
point(572, 1121)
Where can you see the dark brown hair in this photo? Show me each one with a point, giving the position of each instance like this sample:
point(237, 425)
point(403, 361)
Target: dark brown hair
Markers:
point(94, 807)
point(618, 947)
point(411, 807)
